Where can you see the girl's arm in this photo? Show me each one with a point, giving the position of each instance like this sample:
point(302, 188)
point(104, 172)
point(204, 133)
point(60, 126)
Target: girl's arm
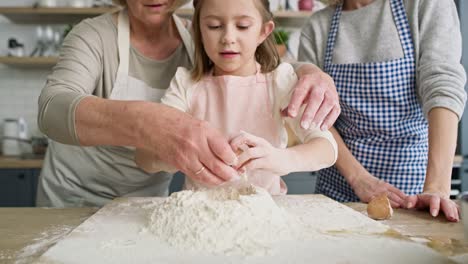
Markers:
point(257, 153)
point(316, 154)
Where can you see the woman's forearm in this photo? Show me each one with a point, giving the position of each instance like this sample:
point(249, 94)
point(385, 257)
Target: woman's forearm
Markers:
point(443, 129)
point(348, 166)
point(119, 123)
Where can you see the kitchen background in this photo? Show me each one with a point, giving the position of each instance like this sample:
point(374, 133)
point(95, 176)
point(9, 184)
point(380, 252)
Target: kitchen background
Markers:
point(20, 86)
point(33, 36)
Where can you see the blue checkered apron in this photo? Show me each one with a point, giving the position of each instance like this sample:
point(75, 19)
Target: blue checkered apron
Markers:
point(381, 121)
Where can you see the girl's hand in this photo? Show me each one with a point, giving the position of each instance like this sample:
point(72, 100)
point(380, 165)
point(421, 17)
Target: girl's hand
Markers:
point(367, 187)
point(258, 153)
point(435, 201)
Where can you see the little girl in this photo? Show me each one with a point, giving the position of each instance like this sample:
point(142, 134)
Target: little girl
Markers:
point(239, 86)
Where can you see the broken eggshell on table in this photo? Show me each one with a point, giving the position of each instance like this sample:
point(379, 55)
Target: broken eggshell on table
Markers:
point(379, 208)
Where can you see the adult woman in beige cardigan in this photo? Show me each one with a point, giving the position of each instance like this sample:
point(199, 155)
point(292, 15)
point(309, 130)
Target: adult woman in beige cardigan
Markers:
point(101, 102)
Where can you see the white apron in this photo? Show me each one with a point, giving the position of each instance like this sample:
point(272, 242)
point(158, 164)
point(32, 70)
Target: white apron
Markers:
point(92, 176)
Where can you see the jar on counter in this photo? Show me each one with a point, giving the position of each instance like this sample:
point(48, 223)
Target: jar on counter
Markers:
point(10, 143)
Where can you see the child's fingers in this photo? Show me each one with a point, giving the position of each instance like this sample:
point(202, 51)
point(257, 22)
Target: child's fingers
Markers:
point(255, 164)
point(237, 142)
point(245, 139)
point(254, 141)
point(249, 154)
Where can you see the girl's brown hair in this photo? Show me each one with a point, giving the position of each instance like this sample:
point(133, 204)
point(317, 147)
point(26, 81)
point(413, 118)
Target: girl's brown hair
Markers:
point(176, 4)
point(266, 53)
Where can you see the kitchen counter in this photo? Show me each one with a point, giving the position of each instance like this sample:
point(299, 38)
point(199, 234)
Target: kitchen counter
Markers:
point(20, 163)
point(27, 232)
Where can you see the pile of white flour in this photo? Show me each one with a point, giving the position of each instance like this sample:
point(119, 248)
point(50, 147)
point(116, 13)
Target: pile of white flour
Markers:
point(225, 221)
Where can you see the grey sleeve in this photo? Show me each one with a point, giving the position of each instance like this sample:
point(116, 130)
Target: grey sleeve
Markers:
point(75, 76)
point(306, 53)
point(441, 77)
point(308, 50)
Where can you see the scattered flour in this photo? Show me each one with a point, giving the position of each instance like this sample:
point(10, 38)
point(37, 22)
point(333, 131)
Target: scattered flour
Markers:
point(42, 244)
point(225, 221)
point(246, 225)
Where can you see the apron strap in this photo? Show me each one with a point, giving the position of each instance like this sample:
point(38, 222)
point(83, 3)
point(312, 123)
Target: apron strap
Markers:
point(401, 22)
point(332, 36)
point(186, 37)
point(123, 38)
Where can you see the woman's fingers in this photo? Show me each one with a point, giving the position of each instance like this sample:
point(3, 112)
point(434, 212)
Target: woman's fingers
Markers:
point(199, 146)
point(299, 95)
point(450, 210)
point(219, 168)
point(325, 108)
point(216, 155)
point(434, 204)
point(331, 118)
point(314, 101)
point(397, 193)
point(394, 204)
point(311, 90)
point(205, 176)
point(393, 197)
point(220, 147)
point(411, 201)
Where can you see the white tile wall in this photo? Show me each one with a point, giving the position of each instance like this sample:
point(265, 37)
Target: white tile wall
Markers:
point(19, 91)
point(19, 87)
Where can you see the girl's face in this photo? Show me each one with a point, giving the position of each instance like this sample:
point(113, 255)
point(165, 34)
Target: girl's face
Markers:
point(231, 32)
point(149, 11)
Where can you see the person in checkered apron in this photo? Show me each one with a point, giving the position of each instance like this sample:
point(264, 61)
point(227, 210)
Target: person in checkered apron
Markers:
point(396, 65)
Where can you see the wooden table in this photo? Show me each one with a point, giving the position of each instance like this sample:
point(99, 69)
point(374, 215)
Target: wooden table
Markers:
point(26, 233)
point(20, 163)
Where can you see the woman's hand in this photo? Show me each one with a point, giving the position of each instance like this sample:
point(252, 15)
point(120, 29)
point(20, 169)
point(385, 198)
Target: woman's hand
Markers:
point(203, 154)
point(367, 187)
point(443, 127)
point(435, 201)
point(317, 91)
point(258, 154)
point(193, 146)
